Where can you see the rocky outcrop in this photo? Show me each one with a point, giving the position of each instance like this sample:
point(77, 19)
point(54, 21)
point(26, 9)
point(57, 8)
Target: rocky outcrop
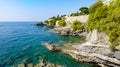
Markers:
point(42, 63)
point(68, 31)
point(39, 24)
point(93, 54)
point(97, 54)
point(97, 38)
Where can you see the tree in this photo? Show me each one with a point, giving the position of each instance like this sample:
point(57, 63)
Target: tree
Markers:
point(77, 25)
point(84, 10)
point(93, 8)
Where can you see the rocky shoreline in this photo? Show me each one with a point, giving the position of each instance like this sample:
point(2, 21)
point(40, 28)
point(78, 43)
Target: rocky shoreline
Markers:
point(102, 56)
point(68, 31)
point(42, 63)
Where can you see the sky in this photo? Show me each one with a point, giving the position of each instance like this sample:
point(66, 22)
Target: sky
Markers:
point(38, 10)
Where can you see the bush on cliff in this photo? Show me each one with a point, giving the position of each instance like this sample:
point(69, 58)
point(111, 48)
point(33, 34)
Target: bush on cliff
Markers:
point(75, 14)
point(77, 25)
point(84, 10)
point(106, 18)
point(61, 23)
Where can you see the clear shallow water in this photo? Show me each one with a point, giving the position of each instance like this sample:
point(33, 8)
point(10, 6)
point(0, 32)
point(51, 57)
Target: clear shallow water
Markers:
point(21, 42)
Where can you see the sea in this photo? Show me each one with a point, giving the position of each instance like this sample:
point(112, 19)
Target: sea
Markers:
point(21, 42)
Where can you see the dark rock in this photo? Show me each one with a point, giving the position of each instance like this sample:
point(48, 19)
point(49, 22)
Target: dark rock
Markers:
point(39, 24)
point(1, 65)
point(68, 31)
point(8, 61)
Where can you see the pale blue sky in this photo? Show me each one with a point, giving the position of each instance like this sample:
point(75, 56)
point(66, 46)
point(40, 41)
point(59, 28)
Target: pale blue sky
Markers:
point(36, 10)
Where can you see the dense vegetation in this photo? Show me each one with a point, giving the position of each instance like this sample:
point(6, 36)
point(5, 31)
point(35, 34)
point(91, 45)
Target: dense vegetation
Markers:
point(61, 23)
point(77, 25)
point(106, 18)
point(83, 11)
point(52, 21)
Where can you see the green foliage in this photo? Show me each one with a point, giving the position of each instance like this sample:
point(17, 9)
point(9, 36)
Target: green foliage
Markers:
point(52, 20)
point(77, 25)
point(93, 8)
point(84, 10)
point(106, 19)
point(61, 23)
point(75, 14)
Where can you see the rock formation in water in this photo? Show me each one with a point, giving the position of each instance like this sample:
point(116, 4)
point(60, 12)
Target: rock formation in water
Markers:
point(39, 24)
point(42, 63)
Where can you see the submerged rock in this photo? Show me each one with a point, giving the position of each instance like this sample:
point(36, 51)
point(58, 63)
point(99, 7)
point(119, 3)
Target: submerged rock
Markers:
point(42, 63)
point(51, 47)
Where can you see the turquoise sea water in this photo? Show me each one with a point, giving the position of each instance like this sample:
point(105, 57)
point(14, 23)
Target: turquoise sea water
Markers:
point(20, 42)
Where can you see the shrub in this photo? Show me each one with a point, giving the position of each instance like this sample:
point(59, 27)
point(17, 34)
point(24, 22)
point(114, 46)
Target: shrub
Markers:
point(84, 10)
point(106, 19)
point(77, 25)
point(62, 23)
